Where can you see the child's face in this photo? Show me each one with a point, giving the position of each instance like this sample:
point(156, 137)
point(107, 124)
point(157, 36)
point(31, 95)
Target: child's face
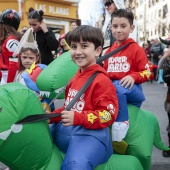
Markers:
point(62, 42)
point(27, 59)
point(84, 53)
point(121, 29)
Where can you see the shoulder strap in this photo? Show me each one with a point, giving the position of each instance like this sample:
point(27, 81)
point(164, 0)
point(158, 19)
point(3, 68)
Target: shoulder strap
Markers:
point(81, 91)
point(40, 117)
point(102, 58)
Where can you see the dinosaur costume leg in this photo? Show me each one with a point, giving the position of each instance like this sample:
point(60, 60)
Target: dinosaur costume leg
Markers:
point(133, 96)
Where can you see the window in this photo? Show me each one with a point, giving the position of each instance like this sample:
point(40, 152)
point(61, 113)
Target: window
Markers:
point(160, 13)
point(165, 10)
point(159, 28)
point(163, 30)
point(149, 4)
point(153, 2)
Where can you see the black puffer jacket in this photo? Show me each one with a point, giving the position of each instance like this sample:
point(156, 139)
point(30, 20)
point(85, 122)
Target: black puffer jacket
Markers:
point(47, 42)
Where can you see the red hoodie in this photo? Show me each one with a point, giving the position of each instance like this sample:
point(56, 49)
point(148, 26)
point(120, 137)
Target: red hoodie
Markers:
point(97, 108)
point(132, 60)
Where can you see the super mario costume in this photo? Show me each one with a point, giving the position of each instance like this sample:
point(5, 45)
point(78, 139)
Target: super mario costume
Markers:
point(87, 143)
point(126, 63)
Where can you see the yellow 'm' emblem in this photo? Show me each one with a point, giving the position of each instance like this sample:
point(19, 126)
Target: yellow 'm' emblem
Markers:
point(104, 116)
point(91, 117)
point(31, 68)
point(146, 73)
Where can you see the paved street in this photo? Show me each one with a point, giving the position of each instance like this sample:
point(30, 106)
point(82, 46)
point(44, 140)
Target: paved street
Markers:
point(155, 96)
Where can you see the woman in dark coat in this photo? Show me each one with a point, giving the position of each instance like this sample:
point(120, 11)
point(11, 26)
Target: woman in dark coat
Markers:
point(45, 38)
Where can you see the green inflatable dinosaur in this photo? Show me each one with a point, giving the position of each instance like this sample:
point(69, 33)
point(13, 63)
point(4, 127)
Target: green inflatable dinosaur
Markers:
point(58, 74)
point(30, 146)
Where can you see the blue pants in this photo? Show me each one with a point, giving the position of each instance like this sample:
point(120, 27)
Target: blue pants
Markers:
point(82, 151)
point(132, 96)
point(160, 76)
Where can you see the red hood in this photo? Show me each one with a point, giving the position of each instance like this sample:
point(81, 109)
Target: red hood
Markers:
point(115, 45)
point(89, 71)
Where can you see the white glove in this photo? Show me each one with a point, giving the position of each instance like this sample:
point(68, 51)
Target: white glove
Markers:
point(119, 130)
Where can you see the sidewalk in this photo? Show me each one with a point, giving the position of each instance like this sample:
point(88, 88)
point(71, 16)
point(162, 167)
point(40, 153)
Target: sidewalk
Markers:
point(155, 96)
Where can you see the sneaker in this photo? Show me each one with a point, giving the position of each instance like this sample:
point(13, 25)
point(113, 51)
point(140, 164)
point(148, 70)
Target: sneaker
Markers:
point(166, 153)
point(119, 130)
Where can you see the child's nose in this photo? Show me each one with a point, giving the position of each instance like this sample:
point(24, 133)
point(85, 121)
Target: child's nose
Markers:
point(78, 50)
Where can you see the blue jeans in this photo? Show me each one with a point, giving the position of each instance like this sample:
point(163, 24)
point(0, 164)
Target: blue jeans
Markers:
point(132, 96)
point(84, 148)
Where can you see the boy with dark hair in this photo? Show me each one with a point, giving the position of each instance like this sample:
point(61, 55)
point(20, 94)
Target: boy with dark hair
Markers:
point(83, 132)
point(127, 69)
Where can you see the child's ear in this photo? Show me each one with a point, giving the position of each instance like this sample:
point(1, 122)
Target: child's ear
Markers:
point(132, 28)
point(37, 58)
point(98, 51)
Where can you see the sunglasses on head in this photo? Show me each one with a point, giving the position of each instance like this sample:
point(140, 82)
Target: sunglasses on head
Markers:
point(107, 4)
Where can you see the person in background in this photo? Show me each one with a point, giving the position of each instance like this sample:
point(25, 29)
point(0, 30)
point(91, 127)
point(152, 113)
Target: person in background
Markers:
point(63, 46)
point(9, 41)
point(44, 36)
point(146, 47)
point(165, 65)
point(151, 67)
point(127, 69)
point(23, 30)
point(86, 125)
point(156, 51)
point(73, 25)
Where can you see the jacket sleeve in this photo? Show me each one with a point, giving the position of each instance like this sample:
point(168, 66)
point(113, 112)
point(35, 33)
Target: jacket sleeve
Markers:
point(51, 40)
point(105, 102)
point(141, 67)
point(56, 119)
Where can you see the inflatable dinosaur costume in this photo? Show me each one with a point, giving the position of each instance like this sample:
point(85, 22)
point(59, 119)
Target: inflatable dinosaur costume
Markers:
point(30, 146)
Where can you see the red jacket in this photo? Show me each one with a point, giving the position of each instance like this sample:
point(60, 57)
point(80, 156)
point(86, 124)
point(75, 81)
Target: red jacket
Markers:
point(130, 61)
point(98, 106)
point(8, 48)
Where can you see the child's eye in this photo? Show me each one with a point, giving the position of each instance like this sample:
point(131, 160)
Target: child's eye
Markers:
point(114, 26)
point(73, 47)
point(84, 46)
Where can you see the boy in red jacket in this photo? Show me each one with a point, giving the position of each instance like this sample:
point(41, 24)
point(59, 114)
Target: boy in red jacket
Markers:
point(83, 132)
point(127, 69)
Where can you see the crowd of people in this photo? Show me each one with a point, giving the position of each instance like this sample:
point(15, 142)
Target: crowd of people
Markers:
point(126, 69)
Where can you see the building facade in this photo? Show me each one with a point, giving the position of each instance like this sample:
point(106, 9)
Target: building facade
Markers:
point(153, 18)
point(57, 13)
